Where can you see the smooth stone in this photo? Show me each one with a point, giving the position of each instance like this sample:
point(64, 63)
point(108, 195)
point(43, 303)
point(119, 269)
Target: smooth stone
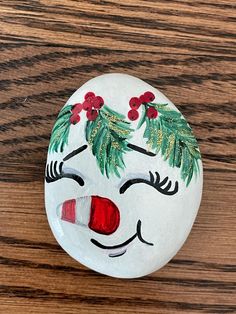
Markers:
point(123, 178)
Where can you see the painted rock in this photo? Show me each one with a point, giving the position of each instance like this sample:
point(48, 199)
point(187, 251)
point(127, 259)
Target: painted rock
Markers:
point(123, 179)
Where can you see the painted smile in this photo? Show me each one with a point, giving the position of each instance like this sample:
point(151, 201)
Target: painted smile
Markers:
point(122, 246)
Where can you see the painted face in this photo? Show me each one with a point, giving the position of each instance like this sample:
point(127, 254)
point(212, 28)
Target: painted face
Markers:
point(123, 177)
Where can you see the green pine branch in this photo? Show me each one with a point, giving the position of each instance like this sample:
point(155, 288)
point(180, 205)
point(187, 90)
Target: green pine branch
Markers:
point(108, 136)
point(171, 136)
point(60, 132)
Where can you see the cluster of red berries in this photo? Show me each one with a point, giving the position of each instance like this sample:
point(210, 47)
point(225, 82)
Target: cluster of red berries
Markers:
point(91, 105)
point(136, 102)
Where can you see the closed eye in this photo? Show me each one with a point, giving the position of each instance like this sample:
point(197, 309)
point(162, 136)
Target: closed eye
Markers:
point(54, 173)
point(155, 182)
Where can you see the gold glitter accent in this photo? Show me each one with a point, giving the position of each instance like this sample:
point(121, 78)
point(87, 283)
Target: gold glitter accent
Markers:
point(185, 133)
point(94, 132)
point(111, 117)
point(118, 130)
point(171, 141)
point(115, 145)
point(103, 147)
point(150, 142)
point(159, 138)
point(149, 147)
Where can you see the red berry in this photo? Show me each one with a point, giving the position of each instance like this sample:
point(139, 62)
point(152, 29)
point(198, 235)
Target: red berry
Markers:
point(142, 99)
point(74, 119)
point(98, 102)
point(133, 114)
point(90, 99)
point(87, 105)
point(135, 103)
point(148, 97)
point(89, 95)
point(92, 114)
point(152, 113)
point(77, 108)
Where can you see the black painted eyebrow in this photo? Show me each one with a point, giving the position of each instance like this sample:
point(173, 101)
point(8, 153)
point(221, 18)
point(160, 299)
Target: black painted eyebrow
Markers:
point(75, 152)
point(141, 150)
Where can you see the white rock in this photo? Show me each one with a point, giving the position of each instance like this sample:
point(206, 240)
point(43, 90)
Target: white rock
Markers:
point(121, 196)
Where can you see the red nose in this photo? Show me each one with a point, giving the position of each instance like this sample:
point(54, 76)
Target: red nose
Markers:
point(104, 215)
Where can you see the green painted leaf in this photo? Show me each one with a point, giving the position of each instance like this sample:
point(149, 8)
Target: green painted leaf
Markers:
point(142, 118)
point(107, 137)
point(170, 148)
point(171, 136)
point(178, 154)
point(146, 133)
point(158, 106)
point(61, 129)
point(165, 138)
point(170, 114)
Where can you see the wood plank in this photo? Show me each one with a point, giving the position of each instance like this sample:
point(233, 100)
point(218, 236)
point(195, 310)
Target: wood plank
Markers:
point(48, 49)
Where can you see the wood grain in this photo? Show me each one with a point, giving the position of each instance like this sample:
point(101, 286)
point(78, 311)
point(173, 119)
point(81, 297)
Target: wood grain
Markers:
point(48, 49)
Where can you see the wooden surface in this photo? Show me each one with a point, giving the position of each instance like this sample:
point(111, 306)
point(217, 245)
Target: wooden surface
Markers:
point(47, 50)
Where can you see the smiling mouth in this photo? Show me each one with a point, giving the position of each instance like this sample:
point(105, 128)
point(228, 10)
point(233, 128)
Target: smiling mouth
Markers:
point(124, 244)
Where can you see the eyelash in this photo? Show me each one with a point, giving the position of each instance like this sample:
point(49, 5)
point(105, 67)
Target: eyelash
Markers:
point(154, 182)
point(52, 174)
